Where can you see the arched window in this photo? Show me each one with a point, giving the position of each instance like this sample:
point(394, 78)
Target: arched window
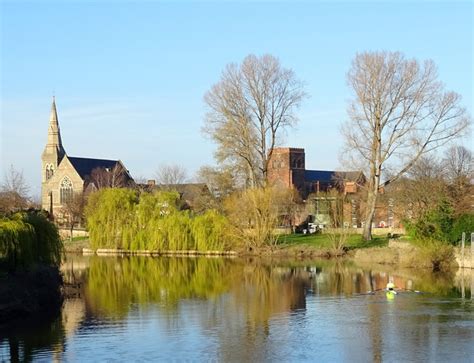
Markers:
point(65, 190)
point(49, 171)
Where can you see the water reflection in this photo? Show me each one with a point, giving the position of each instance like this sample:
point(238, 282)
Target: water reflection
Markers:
point(251, 310)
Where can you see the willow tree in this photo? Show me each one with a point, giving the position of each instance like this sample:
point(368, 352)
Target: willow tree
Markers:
point(399, 112)
point(249, 108)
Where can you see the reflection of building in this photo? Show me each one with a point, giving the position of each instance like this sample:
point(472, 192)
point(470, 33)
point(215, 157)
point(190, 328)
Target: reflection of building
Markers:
point(63, 176)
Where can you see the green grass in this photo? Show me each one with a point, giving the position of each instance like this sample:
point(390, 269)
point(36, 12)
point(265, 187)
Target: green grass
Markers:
point(322, 241)
point(76, 239)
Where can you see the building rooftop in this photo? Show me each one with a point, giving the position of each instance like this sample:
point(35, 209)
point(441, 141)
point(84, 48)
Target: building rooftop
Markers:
point(327, 176)
point(84, 166)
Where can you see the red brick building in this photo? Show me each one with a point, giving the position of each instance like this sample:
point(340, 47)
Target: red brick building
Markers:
point(287, 169)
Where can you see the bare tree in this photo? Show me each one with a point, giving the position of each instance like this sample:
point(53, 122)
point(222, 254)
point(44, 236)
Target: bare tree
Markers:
point(458, 163)
point(400, 111)
point(221, 182)
point(13, 191)
point(458, 170)
point(336, 231)
point(254, 214)
point(249, 108)
point(420, 190)
point(115, 177)
point(73, 212)
point(167, 175)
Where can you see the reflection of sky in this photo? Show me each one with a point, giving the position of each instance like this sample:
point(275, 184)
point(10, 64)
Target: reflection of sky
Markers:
point(330, 329)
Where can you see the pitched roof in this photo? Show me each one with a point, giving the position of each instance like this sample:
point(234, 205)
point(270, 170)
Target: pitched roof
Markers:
point(84, 166)
point(327, 176)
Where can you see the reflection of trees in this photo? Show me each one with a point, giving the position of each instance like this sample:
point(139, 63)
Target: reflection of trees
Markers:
point(267, 290)
point(260, 294)
point(250, 306)
point(115, 283)
point(441, 284)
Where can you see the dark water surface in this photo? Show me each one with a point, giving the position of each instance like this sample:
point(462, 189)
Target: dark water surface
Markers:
point(234, 310)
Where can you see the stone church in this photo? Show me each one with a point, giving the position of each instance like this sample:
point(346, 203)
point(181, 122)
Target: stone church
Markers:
point(65, 176)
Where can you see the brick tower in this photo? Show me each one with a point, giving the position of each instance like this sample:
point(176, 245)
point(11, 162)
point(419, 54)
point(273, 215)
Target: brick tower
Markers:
point(286, 168)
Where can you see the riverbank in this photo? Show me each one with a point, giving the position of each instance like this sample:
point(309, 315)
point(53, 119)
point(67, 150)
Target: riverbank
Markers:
point(380, 250)
point(288, 246)
point(27, 293)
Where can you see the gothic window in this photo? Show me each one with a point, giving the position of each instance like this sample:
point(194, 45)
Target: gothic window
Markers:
point(49, 171)
point(66, 191)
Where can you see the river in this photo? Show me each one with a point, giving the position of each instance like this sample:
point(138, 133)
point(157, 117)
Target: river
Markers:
point(250, 310)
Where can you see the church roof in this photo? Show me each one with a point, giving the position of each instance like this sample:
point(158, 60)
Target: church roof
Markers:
point(84, 166)
point(319, 175)
point(327, 176)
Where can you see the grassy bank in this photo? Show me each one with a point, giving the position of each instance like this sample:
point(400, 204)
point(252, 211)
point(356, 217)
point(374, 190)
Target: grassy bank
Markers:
point(322, 241)
point(311, 244)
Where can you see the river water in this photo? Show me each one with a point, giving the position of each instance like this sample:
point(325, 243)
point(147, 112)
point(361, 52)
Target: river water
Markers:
point(249, 310)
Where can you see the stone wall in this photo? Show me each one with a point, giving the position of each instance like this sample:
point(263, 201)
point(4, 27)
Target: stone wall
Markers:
point(66, 233)
point(468, 260)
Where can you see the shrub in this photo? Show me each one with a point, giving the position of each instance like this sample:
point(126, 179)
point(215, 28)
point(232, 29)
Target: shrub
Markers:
point(254, 214)
point(441, 224)
point(464, 223)
point(439, 256)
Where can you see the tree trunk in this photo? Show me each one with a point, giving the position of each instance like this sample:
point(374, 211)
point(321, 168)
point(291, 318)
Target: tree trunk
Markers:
point(71, 230)
point(369, 216)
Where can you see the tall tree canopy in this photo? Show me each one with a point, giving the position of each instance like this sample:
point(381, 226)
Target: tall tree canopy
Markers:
point(248, 109)
point(399, 112)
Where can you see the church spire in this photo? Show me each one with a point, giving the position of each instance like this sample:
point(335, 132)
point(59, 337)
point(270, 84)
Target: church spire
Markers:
point(54, 144)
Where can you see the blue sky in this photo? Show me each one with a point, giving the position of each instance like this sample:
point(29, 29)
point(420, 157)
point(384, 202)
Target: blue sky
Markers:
point(129, 77)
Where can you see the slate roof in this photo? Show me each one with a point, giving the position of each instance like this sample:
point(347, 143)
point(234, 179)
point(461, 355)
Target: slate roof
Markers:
point(84, 166)
point(327, 176)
